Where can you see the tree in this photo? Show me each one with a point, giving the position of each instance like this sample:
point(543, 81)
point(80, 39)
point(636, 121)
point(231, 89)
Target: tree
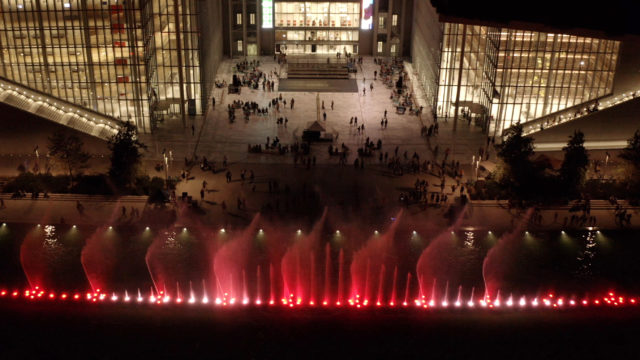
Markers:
point(574, 166)
point(631, 156)
point(126, 153)
point(69, 150)
point(517, 173)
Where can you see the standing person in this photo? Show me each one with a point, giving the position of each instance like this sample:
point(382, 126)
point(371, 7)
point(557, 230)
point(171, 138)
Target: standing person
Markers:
point(322, 104)
point(375, 74)
point(331, 104)
point(324, 116)
point(364, 92)
point(213, 101)
point(202, 194)
point(385, 113)
point(193, 130)
point(228, 176)
point(371, 87)
point(292, 103)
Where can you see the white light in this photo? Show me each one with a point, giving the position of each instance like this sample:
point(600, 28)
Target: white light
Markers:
point(205, 300)
point(470, 304)
point(67, 5)
point(221, 230)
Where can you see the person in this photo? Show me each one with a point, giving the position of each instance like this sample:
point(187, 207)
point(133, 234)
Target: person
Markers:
point(213, 101)
point(371, 86)
point(324, 116)
point(331, 104)
point(364, 92)
point(228, 176)
point(322, 104)
point(202, 194)
point(375, 74)
point(385, 113)
point(292, 103)
point(193, 130)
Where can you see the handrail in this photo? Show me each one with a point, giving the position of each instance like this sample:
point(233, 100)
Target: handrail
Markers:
point(102, 125)
point(570, 114)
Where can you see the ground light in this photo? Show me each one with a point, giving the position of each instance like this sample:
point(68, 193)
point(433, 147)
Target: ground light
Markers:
point(549, 302)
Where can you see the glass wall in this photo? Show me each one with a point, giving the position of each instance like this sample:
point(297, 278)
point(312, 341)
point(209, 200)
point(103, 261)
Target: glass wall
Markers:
point(173, 65)
point(541, 73)
point(317, 24)
point(478, 68)
point(317, 14)
point(518, 76)
point(97, 54)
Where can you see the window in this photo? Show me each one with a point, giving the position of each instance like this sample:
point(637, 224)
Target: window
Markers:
point(239, 45)
point(252, 19)
point(238, 19)
point(380, 44)
point(381, 22)
point(267, 14)
point(394, 20)
point(393, 48)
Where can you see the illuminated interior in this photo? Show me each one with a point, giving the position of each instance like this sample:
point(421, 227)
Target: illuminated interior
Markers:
point(120, 59)
point(517, 76)
point(314, 24)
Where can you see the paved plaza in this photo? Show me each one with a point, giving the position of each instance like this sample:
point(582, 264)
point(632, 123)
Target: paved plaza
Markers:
point(353, 194)
point(215, 136)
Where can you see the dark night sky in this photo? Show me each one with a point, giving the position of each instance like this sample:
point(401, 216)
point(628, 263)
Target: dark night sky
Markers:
point(614, 17)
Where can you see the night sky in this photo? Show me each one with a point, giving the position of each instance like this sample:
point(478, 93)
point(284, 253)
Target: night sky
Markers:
point(614, 17)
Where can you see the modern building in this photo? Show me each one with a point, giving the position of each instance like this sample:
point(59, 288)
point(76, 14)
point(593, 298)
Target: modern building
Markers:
point(147, 61)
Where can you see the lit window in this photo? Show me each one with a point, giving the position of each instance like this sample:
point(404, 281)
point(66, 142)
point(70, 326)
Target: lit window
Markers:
point(394, 20)
point(380, 46)
point(393, 48)
point(67, 5)
point(238, 19)
point(267, 14)
point(239, 45)
point(252, 19)
point(381, 22)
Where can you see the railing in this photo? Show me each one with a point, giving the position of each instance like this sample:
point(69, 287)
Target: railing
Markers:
point(58, 110)
point(574, 112)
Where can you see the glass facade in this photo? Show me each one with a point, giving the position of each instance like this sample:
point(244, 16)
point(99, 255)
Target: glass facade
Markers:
point(123, 59)
point(320, 27)
point(517, 76)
